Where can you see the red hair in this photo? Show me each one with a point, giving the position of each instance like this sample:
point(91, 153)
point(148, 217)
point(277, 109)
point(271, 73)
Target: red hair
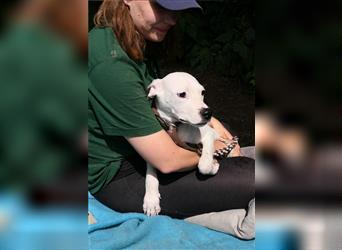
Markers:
point(115, 14)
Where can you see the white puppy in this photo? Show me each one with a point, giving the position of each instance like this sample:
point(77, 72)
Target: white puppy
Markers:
point(179, 100)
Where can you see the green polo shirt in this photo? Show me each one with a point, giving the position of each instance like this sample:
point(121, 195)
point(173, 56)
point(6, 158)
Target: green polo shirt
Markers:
point(118, 106)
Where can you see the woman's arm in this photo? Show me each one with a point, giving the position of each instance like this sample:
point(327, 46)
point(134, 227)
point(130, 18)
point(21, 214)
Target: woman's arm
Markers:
point(220, 129)
point(160, 151)
point(225, 134)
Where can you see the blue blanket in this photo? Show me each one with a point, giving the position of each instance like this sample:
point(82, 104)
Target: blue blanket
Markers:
point(114, 230)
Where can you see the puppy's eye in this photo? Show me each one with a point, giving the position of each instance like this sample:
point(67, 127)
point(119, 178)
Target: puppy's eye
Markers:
point(182, 95)
point(203, 92)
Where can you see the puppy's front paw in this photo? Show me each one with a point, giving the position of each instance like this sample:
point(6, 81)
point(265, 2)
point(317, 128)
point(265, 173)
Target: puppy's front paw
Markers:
point(151, 204)
point(215, 167)
point(208, 166)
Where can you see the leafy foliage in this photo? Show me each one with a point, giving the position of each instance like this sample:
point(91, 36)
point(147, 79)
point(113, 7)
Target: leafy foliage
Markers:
point(222, 38)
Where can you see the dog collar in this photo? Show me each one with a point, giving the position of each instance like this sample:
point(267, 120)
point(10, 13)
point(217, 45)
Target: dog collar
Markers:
point(167, 125)
point(171, 129)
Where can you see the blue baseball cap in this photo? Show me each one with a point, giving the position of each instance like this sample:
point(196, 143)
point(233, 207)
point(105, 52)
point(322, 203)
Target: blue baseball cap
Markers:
point(178, 4)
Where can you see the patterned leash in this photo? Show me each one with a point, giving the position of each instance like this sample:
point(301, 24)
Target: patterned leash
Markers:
point(224, 152)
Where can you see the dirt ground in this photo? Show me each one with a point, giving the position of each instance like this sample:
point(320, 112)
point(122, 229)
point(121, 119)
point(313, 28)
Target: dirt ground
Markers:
point(232, 102)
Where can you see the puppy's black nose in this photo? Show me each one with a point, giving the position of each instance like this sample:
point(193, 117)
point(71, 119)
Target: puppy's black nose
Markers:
point(206, 113)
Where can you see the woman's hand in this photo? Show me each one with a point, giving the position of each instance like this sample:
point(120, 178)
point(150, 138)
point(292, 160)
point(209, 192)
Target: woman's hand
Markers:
point(224, 134)
point(220, 145)
point(220, 129)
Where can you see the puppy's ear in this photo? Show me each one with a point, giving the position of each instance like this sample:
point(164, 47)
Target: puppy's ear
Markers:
point(154, 88)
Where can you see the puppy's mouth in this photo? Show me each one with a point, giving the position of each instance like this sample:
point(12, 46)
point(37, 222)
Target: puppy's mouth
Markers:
point(194, 124)
point(200, 124)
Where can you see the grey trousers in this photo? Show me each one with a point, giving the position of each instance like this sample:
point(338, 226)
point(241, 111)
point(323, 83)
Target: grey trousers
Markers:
point(237, 222)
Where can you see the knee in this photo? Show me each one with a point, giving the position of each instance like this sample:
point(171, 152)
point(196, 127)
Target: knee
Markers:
point(242, 167)
point(240, 171)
